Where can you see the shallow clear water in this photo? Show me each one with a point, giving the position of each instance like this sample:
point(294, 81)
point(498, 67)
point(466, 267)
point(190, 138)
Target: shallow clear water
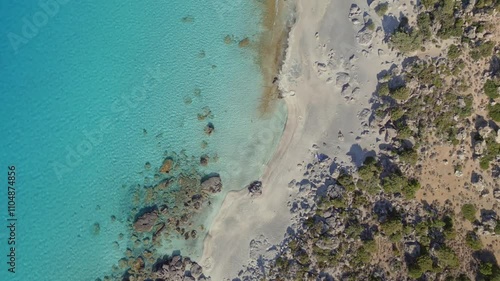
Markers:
point(99, 89)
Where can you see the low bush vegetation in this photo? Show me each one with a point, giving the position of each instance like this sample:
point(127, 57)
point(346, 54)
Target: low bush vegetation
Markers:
point(381, 9)
point(491, 89)
point(469, 212)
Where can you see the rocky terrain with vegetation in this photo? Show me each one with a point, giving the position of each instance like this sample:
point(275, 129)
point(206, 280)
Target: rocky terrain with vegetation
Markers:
point(424, 206)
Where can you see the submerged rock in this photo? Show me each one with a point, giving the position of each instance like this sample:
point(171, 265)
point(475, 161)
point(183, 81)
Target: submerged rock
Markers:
point(212, 184)
point(204, 160)
point(146, 222)
point(188, 19)
point(244, 43)
point(228, 39)
point(209, 128)
point(167, 166)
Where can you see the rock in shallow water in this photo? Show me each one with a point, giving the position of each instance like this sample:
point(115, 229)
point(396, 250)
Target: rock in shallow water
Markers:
point(146, 222)
point(167, 166)
point(212, 184)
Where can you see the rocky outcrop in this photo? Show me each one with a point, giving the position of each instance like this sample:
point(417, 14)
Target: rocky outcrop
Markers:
point(212, 184)
point(146, 221)
point(255, 188)
point(177, 268)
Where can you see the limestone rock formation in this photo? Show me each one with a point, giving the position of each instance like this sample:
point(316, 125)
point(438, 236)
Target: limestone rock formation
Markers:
point(146, 221)
point(212, 184)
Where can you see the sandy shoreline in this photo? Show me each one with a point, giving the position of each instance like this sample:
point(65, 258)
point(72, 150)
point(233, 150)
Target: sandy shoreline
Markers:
point(322, 118)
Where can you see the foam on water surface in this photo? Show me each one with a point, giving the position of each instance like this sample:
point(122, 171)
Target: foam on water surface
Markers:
point(100, 89)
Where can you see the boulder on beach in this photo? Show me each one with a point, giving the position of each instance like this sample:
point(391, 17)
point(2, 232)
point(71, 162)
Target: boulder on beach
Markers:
point(146, 221)
point(342, 79)
point(255, 188)
point(212, 184)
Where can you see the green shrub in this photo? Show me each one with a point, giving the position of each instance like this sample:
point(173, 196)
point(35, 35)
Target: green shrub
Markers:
point(486, 268)
point(362, 256)
point(484, 163)
point(401, 93)
point(354, 230)
point(448, 229)
point(392, 226)
point(424, 24)
point(394, 183)
point(339, 203)
point(414, 271)
point(397, 112)
point(492, 150)
point(454, 52)
point(450, 27)
point(473, 241)
point(491, 89)
point(406, 42)
point(381, 9)
point(370, 170)
point(409, 156)
point(474, 54)
point(404, 132)
point(429, 3)
point(370, 25)
point(447, 258)
point(370, 246)
point(345, 179)
point(486, 48)
point(425, 263)
point(383, 89)
point(410, 189)
point(494, 112)
point(469, 212)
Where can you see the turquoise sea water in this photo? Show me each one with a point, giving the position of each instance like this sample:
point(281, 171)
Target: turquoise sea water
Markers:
point(90, 92)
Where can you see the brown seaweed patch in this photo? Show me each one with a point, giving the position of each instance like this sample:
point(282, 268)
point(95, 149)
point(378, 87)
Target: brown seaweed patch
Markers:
point(244, 43)
point(271, 51)
point(167, 165)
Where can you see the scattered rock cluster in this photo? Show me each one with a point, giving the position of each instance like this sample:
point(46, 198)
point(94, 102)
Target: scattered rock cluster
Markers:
point(179, 268)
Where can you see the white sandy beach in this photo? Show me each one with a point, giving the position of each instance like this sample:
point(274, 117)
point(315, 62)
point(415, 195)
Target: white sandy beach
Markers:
point(324, 44)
